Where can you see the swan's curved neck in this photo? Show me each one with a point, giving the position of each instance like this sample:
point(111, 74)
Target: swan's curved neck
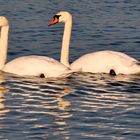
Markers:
point(66, 43)
point(3, 45)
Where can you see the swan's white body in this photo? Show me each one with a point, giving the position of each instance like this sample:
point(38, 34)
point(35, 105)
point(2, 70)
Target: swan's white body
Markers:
point(96, 62)
point(35, 66)
point(104, 61)
point(28, 65)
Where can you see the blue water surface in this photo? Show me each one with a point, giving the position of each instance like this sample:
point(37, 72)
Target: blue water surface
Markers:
point(84, 106)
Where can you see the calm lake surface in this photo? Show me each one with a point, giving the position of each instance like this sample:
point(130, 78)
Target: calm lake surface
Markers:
point(84, 106)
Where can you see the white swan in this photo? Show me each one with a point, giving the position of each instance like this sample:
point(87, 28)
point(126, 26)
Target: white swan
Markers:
point(96, 62)
point(28, 65)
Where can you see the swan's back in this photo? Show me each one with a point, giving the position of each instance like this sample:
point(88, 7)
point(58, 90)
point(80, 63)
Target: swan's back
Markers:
point(36, 65)
point(104, 61)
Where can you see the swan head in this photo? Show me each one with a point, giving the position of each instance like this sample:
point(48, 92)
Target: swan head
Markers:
point(3, 21)
point(62, 16)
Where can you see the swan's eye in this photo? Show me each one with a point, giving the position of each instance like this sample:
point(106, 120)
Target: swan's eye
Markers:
point(56, 16)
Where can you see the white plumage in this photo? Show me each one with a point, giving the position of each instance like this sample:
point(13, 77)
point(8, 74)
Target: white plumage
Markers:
point(95, 62)
point(36, 65)
point(104, 61)
point(28, 65)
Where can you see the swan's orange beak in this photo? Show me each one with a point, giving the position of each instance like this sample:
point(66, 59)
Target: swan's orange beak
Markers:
point(54, 21)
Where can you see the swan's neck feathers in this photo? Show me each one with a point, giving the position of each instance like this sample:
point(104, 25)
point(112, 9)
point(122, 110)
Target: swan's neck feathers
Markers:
point(66, 43)
point(3, 45)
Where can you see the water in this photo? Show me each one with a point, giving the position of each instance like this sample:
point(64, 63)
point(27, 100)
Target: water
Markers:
point(84, 106)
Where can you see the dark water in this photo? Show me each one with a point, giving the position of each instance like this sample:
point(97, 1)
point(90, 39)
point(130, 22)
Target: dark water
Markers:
point(84, 106)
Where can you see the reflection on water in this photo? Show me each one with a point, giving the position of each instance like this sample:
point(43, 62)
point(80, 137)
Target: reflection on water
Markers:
point(83, 106)
point(3, 91)
point(34, 103)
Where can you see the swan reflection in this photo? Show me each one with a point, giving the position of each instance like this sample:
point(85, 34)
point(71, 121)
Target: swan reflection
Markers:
point(53, 107)
point(3, 91)
point(104, 91)
point(43, 99)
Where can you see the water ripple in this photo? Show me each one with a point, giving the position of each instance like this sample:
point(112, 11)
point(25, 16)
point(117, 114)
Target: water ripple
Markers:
point(84, 106)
